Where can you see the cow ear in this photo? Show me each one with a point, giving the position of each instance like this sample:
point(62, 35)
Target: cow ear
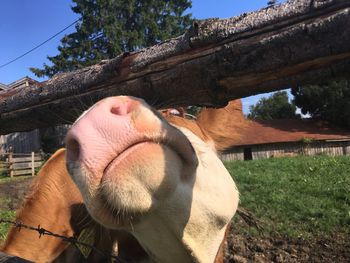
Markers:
point(223, 125)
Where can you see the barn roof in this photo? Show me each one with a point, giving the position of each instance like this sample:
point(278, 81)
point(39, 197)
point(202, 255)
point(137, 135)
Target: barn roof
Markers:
point(3, 86)
point(274, 131)
point(23, 82)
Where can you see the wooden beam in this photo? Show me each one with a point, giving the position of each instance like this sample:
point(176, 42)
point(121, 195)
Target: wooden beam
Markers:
point(298, 42)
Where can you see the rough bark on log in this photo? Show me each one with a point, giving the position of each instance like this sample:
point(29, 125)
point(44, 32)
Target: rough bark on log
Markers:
point(298, 42)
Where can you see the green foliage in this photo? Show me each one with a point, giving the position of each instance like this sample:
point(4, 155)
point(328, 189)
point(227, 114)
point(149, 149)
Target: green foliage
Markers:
point(110, 27)
point(49, 140)
point(299, 196)
point(272, 2)
point(3, 173)
point(194, 110)
point(306, 140)
point(4, 228)
point(7, 215)
point(329, 102)
point(276, 106)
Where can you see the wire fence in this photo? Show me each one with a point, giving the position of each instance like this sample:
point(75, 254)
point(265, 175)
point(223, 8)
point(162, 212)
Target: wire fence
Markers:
point(71, 240)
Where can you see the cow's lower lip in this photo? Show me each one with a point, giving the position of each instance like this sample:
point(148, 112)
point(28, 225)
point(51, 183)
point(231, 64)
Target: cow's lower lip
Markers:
point(126, 153)
point(120, 214)
point(114, 217)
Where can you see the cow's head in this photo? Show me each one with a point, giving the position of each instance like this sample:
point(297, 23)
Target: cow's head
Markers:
point(159, 181)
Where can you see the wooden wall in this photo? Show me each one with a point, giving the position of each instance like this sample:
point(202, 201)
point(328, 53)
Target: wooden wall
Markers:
point(20, 142)
point(235, 154)
point(289, 149)
point(26, 142)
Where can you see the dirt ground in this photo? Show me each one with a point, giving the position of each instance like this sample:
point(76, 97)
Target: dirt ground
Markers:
point(242, 248)
point(14, 191)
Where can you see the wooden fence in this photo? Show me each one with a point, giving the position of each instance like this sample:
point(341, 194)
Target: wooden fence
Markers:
point(20, 163)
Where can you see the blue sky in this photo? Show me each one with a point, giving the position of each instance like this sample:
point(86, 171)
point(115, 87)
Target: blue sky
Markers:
point(26, 23)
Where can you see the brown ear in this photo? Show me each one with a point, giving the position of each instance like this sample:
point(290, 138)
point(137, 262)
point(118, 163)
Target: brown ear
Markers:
point(223, 125)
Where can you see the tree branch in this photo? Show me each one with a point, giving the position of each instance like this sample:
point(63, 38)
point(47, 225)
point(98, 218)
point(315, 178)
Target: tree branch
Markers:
point(298, 42)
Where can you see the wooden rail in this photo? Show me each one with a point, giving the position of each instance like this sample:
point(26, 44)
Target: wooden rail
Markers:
point(21, 163)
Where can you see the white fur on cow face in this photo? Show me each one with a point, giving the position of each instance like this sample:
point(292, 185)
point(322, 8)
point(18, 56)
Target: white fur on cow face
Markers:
point(177, 210)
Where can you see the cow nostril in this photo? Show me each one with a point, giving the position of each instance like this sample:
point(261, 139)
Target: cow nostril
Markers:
point(122, 109)
point(73, 150)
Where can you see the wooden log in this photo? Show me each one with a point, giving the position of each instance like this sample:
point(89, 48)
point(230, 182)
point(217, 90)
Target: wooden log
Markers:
point(10, 160)
point(26, 165)
point(33, 164)
point(297, 42)
point(24, 159)
point(22, 172)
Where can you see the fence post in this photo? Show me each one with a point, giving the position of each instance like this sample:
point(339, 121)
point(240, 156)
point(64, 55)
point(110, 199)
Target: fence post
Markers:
point(10, 164)
point(33, 170)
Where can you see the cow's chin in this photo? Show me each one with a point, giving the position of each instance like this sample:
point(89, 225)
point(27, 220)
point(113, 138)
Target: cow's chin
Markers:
point(135, 184)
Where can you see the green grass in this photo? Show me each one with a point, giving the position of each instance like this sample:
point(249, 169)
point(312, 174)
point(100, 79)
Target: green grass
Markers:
point(2, 173)
point(6, 215)
point(4, 178)
point(298, 197)
point(4, 201)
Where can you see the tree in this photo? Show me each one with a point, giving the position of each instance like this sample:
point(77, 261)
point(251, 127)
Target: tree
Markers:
point(329, 102)
point(277, 106)
point(272, 2)
point(110, 27)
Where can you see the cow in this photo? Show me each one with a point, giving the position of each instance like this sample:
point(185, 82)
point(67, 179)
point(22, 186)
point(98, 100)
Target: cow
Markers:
point(158, 181)
point(182, 216)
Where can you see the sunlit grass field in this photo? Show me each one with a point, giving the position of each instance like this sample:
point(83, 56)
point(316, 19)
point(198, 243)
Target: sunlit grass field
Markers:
point(298, 197)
